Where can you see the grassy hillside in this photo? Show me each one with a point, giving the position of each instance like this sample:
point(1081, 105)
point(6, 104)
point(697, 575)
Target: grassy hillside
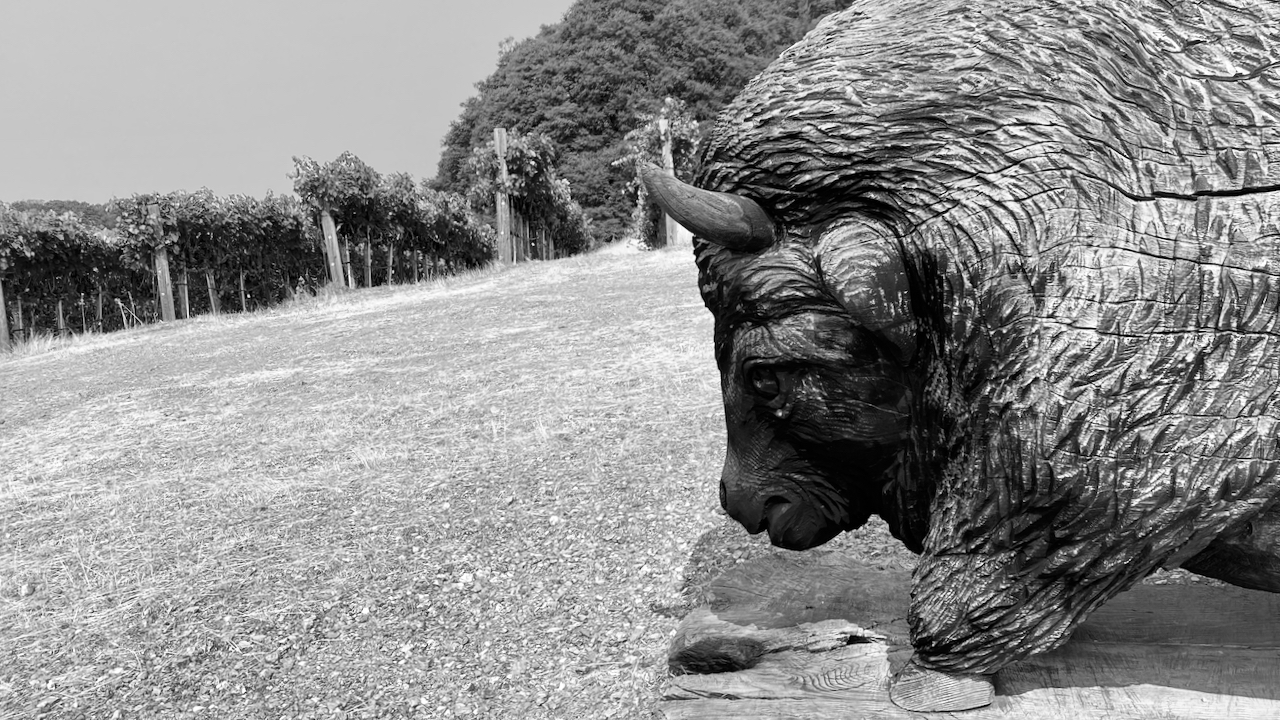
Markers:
point(476, 498)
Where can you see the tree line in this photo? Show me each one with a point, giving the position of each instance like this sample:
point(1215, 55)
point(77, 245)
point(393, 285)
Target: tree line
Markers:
point(607, 67)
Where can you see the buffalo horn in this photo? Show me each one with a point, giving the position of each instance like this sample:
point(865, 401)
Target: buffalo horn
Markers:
point(731, 221)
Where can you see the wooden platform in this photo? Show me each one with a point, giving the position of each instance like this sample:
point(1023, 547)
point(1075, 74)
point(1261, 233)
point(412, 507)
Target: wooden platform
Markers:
point(816, 636)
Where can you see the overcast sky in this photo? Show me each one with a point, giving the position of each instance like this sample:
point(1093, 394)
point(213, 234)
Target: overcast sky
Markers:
point(103, 98)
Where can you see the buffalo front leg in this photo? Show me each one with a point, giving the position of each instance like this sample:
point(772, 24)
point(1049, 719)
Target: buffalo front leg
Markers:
point(973, 614)
point(942, 674)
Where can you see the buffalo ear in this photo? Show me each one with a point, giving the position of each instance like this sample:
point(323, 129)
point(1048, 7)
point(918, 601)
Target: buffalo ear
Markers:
point(724, 219)
point(863, 270)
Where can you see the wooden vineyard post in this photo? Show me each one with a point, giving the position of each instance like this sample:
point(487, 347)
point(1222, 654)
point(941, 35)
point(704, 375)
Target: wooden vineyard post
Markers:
point(163, 283)
point(524, 237)
point(331, 250)
point(184, 297)
point(391, 262)
point(673, 234)
point(514, 224)
point(515, 231)
point(506, 250)
point(211, 284)
point(368, 260)
point(243, 304)
point(5, 342)
point(346, 262)
point(62, 320)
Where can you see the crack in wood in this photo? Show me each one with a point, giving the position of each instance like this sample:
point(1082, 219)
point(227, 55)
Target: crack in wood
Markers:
point(1242, 192)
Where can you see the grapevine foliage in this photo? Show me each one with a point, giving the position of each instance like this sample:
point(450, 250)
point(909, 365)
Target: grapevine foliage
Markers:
point(225, 252)
point(393, 211)
point(49, 259)
point(534, 184)
point(644, 146)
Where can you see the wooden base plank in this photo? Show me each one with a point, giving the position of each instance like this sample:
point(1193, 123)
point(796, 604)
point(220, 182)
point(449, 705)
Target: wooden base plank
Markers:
point(818, 636)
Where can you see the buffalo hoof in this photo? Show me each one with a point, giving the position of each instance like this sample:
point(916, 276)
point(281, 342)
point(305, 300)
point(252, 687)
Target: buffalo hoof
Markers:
point(917, 689)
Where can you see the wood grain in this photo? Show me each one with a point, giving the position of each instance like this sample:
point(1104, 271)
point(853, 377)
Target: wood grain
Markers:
point(921, 689)
point(826, 633)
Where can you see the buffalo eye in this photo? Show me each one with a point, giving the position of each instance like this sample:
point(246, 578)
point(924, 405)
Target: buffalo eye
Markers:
point(764, 382)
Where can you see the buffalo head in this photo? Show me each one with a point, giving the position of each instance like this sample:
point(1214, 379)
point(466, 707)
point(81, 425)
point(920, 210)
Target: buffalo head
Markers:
point(823, 367)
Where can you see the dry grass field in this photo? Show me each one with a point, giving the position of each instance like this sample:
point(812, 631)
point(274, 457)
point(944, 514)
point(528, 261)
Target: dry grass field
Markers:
point(490, 497)
point(487, 497)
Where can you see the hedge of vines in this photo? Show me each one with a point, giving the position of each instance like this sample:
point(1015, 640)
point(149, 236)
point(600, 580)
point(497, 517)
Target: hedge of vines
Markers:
point(229, 253)
point(49, 260)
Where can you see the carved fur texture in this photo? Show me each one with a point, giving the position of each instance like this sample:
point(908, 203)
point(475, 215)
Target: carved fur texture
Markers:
point(1024, 303)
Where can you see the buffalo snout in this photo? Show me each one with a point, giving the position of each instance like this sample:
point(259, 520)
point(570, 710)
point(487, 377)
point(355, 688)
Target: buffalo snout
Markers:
point(792, 522)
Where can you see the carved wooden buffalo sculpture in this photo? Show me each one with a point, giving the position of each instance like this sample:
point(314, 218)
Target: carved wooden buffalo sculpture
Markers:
point(1006, 274)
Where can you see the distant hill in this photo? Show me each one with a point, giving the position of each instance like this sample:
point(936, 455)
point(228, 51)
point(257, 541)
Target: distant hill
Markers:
point(583, 81)
point(93, 214)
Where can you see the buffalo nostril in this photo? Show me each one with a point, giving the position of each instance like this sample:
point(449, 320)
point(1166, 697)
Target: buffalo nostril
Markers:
point(724, 496)
point(774, 508)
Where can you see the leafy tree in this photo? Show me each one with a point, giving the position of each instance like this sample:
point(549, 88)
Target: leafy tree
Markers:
point(592, 78)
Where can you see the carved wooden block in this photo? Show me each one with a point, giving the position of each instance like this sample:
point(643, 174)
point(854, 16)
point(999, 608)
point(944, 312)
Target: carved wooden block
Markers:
point(818, 636)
